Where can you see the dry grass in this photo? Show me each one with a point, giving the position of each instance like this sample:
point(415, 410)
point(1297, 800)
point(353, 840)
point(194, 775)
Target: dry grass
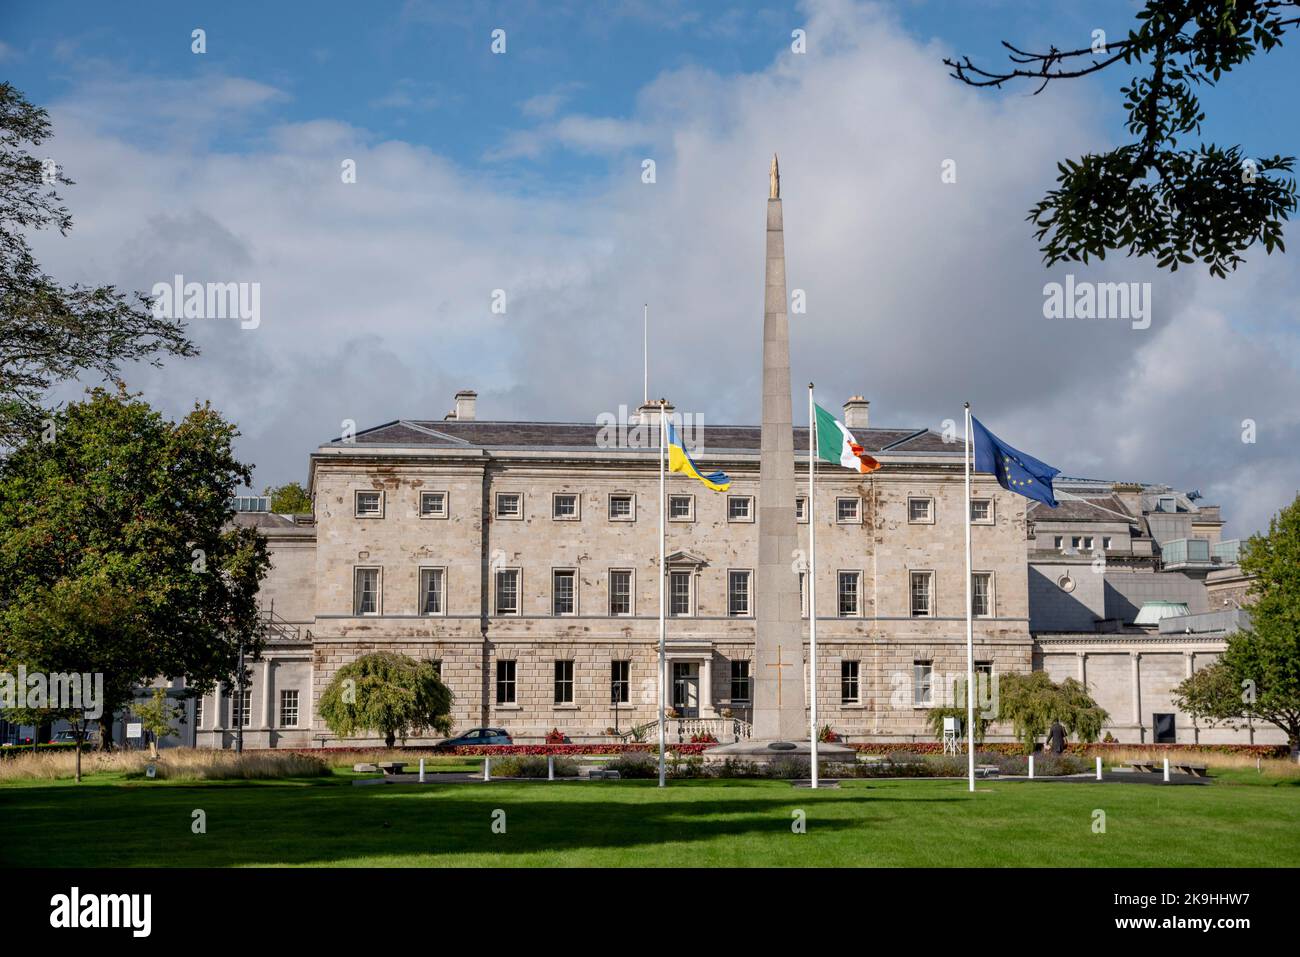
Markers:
point(174, 764)
point(1269, 767)
point(344, 758)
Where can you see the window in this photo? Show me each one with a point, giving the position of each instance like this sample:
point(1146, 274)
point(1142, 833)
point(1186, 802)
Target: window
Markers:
point(922, 692)
point(921, 510)
point(289, 708)
point(981, 511)
point(505, 682)
point(369, 504)
point(803, 594)
point(508, 591)
point(620, 508)
point(437, 667)
point(1059, 541)
point(564, 506)
point(1105, 541)
point(620, 592)
point(241, 708)
point(1087, 543)
point(620, 681)
point(198, 713)
point(984, 668)
point(921, 594)
point(801, 509)
point(433, 505)
point(564, 594)
point(510, 505)
point(681, 508)
point(1167, 503)
point(1076, 541)
point(738, 594)
point(849, 693)
point(365, 599)
point(740, 508)
point(564, 682)
point(846, 510)
point(679, 594)
point(740, 681)
point(432, 591)
point(981, 594)
point(848, 592)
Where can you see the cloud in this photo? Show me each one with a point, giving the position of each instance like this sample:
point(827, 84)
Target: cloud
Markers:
point(921, 294)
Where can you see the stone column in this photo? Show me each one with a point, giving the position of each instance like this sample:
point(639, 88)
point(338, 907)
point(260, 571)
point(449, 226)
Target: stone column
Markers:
point(1082, 657)
point(706, 687)
point(778, 646)
point(1136, 677)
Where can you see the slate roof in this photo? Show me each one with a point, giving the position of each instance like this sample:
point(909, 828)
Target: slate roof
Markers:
point(1101, 508)
point(583, 435)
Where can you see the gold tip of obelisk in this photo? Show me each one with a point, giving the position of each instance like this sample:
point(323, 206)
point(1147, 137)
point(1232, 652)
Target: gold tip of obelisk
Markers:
point(774, 180)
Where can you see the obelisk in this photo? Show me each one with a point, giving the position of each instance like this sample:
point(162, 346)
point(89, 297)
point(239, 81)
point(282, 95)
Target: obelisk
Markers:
point(778, 647)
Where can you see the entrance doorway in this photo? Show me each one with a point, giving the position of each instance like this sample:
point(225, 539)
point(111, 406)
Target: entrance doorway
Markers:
point(686, 688)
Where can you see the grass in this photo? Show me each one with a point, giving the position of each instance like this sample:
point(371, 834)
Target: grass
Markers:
point(112, 821)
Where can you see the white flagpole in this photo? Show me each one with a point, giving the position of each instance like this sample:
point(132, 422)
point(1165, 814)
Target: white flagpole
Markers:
point(812, 577)
point(663, 629)
point(645, 354)
point(970, 627)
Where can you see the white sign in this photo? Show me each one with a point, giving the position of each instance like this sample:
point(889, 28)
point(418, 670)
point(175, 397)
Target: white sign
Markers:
point(134, 729)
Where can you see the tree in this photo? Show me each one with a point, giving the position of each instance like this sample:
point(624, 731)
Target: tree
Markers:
point(117, 556)
point(1031, 702)
point(50, 333)
point(1258, 675)
point(1155, 196)
point(388, 693)
point(156, 716)
point(290, 498)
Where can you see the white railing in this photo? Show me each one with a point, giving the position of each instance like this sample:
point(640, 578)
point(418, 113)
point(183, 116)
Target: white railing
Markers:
point(681, 730)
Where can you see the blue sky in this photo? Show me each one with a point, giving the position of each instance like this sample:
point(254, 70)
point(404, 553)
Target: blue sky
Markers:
point(522, 172)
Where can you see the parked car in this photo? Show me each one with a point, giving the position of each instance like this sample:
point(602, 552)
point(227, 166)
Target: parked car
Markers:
point(481, 736)
point(67, 737)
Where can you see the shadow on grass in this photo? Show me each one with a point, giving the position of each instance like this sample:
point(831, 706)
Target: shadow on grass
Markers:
point(141, 826)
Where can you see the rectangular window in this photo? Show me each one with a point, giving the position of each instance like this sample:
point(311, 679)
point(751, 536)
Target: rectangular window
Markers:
point(679, 594)
point(289, 708)
point(432, 591)
point(433, 505)
point(1060, 541)
point(241, 708)
point(365, 599)
point(681, 508)
point(740, 508)
point(1076, 541)
point(620, 592)
point(803, 594)
point(564, 682)
point(564, 506)
point(1105, 541)
point(981, 594)
point(508, 591)
point(369, 504)
point(849, 693)
point(921, 510)
point(922, 692)
point(1087, 543)
point(981, 511)
point(848, 594)
point(738, 594)
point(198, 713)
point(801, 509)
point(922, 598)
point(505, 682)
point(740, 681)
point(620, 681)
point(564, 594)
point(846, 510)
point(620, 508)
point(510, 505)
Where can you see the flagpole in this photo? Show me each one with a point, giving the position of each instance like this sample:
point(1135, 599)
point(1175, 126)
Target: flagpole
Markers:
point(663, 628)
point(970, 626)
point(645, 354)
point(812, 579)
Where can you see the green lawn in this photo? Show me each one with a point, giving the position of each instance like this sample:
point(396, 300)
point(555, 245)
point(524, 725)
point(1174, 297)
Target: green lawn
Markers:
point(110, 822)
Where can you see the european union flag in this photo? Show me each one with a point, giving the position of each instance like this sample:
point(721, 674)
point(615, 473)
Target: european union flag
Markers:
point(1015, 471)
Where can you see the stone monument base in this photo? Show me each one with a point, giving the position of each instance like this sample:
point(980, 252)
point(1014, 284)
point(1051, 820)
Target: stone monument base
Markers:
point(762, 752)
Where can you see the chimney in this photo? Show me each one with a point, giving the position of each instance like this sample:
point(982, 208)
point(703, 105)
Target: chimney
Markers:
point(464, 411)
point(855, 412)
point(648, 412)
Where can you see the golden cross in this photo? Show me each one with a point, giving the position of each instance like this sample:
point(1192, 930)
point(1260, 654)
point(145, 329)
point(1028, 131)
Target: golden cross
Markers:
point(778, 666)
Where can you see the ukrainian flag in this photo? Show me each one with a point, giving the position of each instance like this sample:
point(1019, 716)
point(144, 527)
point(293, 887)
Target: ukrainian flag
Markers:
point(679, 460)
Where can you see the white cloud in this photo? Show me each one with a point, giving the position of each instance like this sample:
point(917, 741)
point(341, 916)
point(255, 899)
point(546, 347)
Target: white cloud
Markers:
point(920, 294)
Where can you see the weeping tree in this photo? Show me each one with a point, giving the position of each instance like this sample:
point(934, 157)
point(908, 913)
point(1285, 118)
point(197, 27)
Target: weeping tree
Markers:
point(389, 694)
point(1031, 702)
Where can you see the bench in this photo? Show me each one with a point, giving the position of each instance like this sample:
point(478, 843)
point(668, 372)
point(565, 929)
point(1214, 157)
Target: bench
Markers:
point(1182, 767)
point(986, 770)
point(392, 767)
point(364, 768)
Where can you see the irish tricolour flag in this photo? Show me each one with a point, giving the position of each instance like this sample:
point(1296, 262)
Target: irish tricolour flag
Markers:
point(836, 444)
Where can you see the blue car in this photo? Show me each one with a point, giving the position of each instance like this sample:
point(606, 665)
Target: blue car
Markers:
point(480, 736)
